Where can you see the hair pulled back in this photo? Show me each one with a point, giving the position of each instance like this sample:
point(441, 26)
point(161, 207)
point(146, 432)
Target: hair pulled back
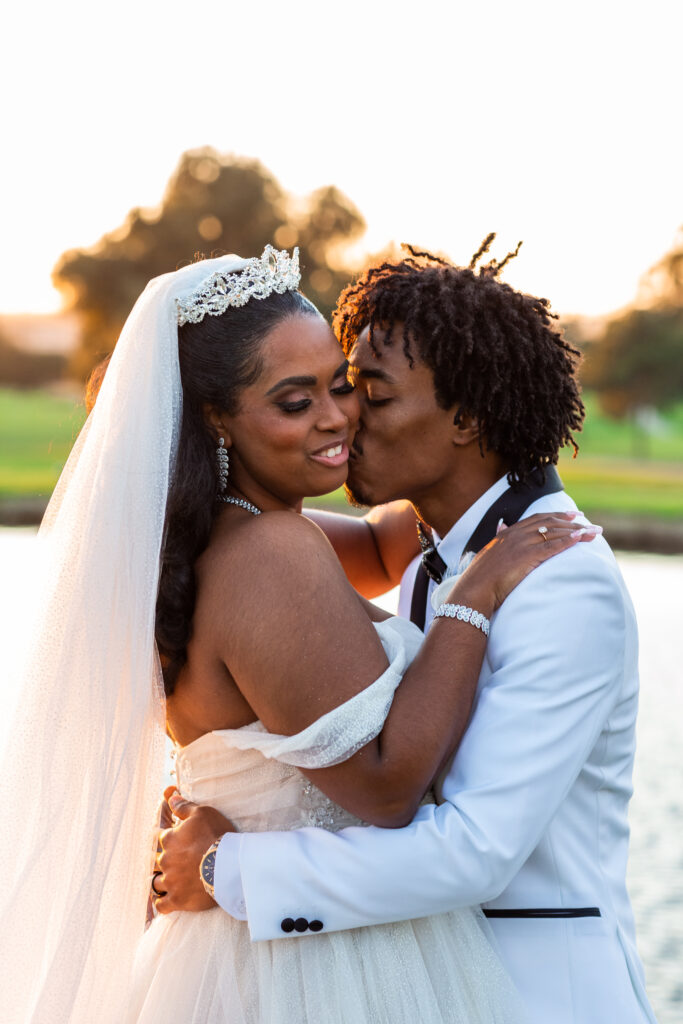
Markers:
point(219, 357)
point(493, 351)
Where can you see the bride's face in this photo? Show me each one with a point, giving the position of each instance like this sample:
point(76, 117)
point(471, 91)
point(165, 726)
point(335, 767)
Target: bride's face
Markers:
point(291, 434)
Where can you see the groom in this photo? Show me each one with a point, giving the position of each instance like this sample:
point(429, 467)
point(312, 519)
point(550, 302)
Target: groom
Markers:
point(464, 384)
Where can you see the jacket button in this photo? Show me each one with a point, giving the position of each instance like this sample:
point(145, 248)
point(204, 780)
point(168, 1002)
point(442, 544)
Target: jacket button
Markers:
point(316, 926)
point(287, 925)
point(301, 924)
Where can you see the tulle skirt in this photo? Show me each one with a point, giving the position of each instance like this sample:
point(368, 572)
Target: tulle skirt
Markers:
point(203, 969)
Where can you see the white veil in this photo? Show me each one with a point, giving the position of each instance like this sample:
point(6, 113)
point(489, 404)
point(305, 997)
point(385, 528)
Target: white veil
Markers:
point(82, 769)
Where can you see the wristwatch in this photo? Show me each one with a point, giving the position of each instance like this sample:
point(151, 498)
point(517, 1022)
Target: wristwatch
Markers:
point(207, 866)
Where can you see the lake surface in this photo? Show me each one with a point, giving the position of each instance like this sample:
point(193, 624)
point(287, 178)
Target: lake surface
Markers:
point(656, 864)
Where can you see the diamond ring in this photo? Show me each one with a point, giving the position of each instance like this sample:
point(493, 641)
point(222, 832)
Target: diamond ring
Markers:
point(543, 530)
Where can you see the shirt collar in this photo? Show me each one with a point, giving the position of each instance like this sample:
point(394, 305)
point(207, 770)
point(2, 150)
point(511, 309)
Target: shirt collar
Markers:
point(451, 548)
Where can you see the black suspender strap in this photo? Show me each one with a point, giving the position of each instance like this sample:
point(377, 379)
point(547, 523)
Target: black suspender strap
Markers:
point(510, 507)
point(418, 604)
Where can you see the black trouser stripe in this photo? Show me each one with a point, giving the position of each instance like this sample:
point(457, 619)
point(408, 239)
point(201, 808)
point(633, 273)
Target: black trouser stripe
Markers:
point(544, 912)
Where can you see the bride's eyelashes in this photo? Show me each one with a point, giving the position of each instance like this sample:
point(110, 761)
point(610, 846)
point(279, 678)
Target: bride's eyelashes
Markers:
point(342, 389)
point(294, 406)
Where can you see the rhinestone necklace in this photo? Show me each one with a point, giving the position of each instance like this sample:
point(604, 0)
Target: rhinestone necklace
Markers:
point(241, 502)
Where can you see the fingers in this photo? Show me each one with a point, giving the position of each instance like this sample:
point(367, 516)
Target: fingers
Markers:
point(157, 895)
point(580, 533)
point(585, 533)
point(544, 529)
point(180, 808)
point(553, 523)
point(561, 540)
point(560, 520)
point(173, 807)
point(539, 517)
point(164, 904)
point(165, 815)
point(157, 884)
point(167, 904)
point(163, 837)
point(531, 524)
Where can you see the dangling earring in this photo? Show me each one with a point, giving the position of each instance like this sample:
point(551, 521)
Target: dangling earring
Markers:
point(223, 463)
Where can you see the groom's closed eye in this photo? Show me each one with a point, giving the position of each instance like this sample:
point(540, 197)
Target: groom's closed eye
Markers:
point(373, 384)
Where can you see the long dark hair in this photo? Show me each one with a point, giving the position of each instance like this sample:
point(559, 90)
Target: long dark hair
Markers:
point(219, 357)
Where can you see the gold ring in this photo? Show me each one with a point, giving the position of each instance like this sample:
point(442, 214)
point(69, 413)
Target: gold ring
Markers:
point(543, 530)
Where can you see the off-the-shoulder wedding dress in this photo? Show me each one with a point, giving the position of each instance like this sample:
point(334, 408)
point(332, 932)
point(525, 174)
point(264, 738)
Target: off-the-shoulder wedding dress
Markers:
point(202, 968)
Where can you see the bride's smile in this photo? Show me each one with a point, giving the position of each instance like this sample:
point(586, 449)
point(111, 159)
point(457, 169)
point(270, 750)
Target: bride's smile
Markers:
point(291, 433)
point(333, 456)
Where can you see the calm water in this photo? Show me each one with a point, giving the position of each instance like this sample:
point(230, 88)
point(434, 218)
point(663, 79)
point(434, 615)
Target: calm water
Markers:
point(656, 865)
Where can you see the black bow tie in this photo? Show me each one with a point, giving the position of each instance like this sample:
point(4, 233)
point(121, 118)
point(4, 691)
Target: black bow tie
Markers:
point(432, 562)
point(434, 565)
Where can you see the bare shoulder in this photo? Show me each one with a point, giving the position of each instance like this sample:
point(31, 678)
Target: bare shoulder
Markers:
point(275, 528)
point(277, 539)
point(279, 612)
point(275, 552)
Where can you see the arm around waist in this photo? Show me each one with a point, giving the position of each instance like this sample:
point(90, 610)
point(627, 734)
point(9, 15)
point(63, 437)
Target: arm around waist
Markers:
point(557, 662)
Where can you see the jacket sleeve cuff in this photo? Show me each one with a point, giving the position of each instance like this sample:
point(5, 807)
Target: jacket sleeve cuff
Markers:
point(227, 882)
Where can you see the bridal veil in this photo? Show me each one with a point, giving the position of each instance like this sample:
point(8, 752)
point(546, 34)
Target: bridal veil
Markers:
point(82, 769)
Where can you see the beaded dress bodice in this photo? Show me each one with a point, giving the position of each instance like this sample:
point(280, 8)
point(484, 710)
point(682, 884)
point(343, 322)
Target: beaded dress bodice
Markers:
point(257, 794)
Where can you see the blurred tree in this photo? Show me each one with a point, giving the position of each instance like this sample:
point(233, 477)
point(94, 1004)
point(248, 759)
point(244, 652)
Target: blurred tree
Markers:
point(662, 285)
point(213, 203)
point(22, 369)
point(638, 361)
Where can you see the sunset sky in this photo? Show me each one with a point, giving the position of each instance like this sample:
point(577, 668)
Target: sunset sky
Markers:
point(556, 123)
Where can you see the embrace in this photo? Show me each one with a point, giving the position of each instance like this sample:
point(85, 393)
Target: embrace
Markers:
point(419, 818)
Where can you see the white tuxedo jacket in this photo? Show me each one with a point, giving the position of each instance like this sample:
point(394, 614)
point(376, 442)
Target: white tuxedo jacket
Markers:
point(532, 814)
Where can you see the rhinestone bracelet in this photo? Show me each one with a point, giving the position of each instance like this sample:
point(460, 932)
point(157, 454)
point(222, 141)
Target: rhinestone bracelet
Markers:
point(460, 611)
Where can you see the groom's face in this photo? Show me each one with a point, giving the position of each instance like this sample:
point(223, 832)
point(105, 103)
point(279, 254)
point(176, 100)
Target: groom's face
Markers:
point(403, 447)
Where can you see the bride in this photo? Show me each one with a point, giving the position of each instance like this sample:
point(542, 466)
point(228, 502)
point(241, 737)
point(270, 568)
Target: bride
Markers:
point(173, 564)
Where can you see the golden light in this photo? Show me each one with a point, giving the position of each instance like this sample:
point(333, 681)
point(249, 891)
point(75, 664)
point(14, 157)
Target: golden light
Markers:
point(205, 170)
point(210, 228)
point(285, 237)
point(321, 280)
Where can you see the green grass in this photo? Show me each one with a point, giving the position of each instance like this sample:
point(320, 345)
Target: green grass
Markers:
point(37, 431)
point(599, 486)
point(610, 475)
point(626, 487)
point(622, 470)
point(602, 436)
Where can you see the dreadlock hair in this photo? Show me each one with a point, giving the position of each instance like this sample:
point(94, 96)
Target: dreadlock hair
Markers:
point(494, 352)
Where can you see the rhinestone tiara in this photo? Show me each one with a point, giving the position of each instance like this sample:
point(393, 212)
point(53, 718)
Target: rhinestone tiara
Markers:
point(273, 271)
